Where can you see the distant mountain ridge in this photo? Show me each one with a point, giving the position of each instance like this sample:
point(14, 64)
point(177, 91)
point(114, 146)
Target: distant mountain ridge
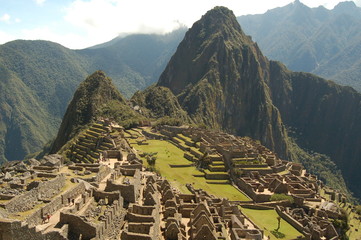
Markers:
point(318, 40)
point(38, 79)
point(219, 76)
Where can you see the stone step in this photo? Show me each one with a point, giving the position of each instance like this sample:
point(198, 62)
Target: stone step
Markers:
point(218, 163)
point(213, 168)
point(90, 137)
point(107, 145)
point(82, 147)
point(92, 133)
point(217, 175)
point(86, 144)
point(80, 152)
point(97, 130)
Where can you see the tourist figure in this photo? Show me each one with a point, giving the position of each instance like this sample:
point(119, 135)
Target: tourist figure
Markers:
point(48, 217)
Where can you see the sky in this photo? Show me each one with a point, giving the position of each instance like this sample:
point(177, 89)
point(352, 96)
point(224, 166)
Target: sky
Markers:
point(78, 24)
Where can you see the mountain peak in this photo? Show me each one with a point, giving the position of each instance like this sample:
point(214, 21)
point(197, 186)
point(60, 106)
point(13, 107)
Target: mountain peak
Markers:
point(348, 7)
point(93, 93)
point(216, 33)
point(218, 13)
point(215, 64)
point(218, 19)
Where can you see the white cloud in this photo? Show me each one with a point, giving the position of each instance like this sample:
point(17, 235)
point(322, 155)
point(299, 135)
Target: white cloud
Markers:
point(5, 18)
point(70, 40)
point(5, 37)
point(103, 20)
point(358, 2)
point(40, 2)
point(97, 21)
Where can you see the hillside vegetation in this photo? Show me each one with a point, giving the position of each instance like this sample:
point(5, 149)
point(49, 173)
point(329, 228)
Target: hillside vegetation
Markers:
point(318, 40)
point(38, 79)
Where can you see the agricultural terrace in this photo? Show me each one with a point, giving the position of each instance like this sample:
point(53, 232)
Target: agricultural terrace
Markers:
point(168, 154)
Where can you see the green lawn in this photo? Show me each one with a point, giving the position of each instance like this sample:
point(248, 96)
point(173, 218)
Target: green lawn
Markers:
point(267, 220)
point(170, 154)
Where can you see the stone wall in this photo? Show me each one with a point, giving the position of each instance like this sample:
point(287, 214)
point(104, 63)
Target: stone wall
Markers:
point(129, 192)
point(50, 188)
point(174, 129)
point(131, 166)
point(55, 204)
point(111, 196)
point(15, 230)
point(46, 169)
point(46, 175)
point(6, 197)
point(28, 200)
point(127, 172)
point(113, 154)
point(103, 172)
point(293, 222)
point(257, 197)
point(152, 135)
point(23, 202)
point(73, 193)
point(77, 226)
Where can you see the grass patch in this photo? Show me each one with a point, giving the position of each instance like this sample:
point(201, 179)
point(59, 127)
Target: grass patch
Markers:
point(267, 220)
point(179, 177)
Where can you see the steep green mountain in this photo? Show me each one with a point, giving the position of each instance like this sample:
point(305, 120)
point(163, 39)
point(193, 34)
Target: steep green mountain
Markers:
point(216, 71)
point(220, 78)
point(325, 117)
point(135, 61)
point(94, 98)
point(157, 102)
point(38, 79)
point(17, 118)
point(318, 40)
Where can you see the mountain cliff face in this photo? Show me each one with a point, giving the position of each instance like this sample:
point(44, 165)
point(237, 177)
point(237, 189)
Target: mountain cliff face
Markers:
point(93, 95)
point(325, 116)
point(220, 78)
point(318, 40)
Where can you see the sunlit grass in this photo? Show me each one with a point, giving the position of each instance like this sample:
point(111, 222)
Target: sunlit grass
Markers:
point(167, 154)
point(267, 220)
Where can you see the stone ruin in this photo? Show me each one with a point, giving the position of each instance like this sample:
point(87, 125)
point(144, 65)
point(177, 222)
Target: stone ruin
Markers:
point(117, 197)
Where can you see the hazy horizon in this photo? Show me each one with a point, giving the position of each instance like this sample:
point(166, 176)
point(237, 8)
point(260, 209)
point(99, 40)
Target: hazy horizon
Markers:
point(78, 24)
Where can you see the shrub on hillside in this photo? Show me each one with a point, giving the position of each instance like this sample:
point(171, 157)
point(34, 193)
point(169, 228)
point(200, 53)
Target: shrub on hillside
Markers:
point(281, 197)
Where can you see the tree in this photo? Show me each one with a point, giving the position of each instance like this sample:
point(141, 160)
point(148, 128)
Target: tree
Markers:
point(279, 223)
point(151, 158)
